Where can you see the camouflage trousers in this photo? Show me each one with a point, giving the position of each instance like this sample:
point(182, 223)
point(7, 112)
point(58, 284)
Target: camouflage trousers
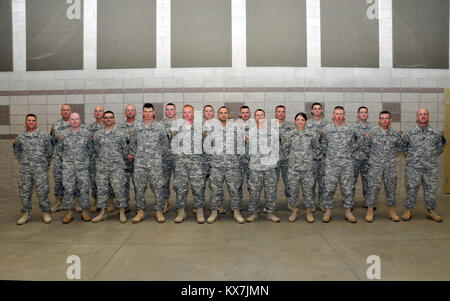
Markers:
point(111, 177)
point(76, 178)
point(233, 178)
point(245, 173)
point(168, 169)
point(305, 178)
point(319, 176)
point(93, 178)
point(388, 172)
point(344, 172)
point(37, 176)
point(186, 172)
point(256, 181)
point(153, 175)
point(429, 178)
point(362, 167)
point(58, 179)
point(283, 166)
point(129, 174)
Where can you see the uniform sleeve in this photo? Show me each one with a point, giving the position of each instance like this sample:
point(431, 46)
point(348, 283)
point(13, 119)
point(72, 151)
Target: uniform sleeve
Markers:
point(405, 143)
point(17, 147)
point(125, 146)
point(53, 136)
point(316, 147)
point(323, 143)
point(48, 148)
point(90, 146)
point(132, 143)
point(164, 142)
point(441, 142)
point(59, 147)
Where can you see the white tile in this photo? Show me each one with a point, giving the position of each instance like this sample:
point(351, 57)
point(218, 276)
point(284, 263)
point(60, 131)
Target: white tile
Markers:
point(93, 98)
point(4, 100)
point(18, 110)
point(154, 97)
point(38, 109)
point(4, 129)
point(18, 100)
point(113, 99)
point(294, 97)
point(391, 97)
point(75, 98)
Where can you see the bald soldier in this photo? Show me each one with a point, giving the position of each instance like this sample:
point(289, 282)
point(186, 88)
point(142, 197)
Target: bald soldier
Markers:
point(75, 147)
point(422, 147)
point(34, 151)
point(57, 127)
point(128, 127)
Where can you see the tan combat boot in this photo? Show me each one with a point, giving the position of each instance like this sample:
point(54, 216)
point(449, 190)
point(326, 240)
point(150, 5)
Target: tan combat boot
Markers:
point(294, 214)
point(57, 206)
point(47, 217)
point(253, 217)
point(68, 217)
point(289, 206)
point(24, 219)
point(200, 216)
point(326, 216)
point(238, 217)
point(309, 216)
point(94, 208)
point(393, 215)
point(85, 215)
point(166, 206)
point(272, 217)
point(213, 217)
point(101, 217)
point(222, 209)
point(407, 215)
point(139, 216)
point(434, 216)
point(77, 206)
point(110, 205)
point(160, 217)
point(181, 215)
point(122, 216)
point(349, 215)
point(369, 214)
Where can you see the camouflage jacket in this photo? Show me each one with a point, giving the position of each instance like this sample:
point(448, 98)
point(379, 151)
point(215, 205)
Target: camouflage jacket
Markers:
point(33, 148)
point(302, 147)
point(422, 146)
point(111, 147)
point(75, 148)
point(339, 142)
point(384, 145)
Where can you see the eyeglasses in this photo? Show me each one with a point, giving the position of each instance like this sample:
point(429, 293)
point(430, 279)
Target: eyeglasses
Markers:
point(109, 117)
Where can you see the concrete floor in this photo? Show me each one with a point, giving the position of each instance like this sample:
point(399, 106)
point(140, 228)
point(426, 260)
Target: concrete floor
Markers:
point(414, 250)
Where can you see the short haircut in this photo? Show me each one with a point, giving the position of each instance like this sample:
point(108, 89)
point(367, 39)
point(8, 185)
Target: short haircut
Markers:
point(339, 108)
point(244, 107)
point(148, 106)
point(280, 106)
point(224, 107)
point(206, 106)
point(188, 106)
point(363, 107)
point(108, 112)
point(301, 114)
point(170, 104)
point(260, 110)
point(384, 112)
point(30, 115)
point(316, 104)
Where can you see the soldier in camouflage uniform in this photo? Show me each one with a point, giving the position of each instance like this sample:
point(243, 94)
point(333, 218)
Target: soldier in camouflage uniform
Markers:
point(285, 128)
point(208, 121)
point(169, 160)
point(422, 146)
point(75, 147)
point(149, 144)
point(128, 127)
point(263, 167)
point(384, 142)
point(224, 164)
point(301, 147)
point(339, 142)
point(187, 145)
point(57, 127)
point(361, 154)
point(111, 147)
point(93, 128)
point(317, 123)
point(34, 151)
point(243, 126)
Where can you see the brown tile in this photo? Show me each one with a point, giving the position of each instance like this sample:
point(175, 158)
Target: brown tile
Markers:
point(193, 90)
point(7, 136)
point(153, 90)
point(93, 91)
point(159, 111)
point(173, 90)
point(4, 115)
point(392, 90)
point(234, 89)
point(253, 90)
point(55, 92)
point(4, 93)
point(19, 93)
point(313, 89)
point(396, 117)
point(213, 90)
point(133, 91)
point(393, 107)
point(113, 91)
point(38, 92)
point(294, 89)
